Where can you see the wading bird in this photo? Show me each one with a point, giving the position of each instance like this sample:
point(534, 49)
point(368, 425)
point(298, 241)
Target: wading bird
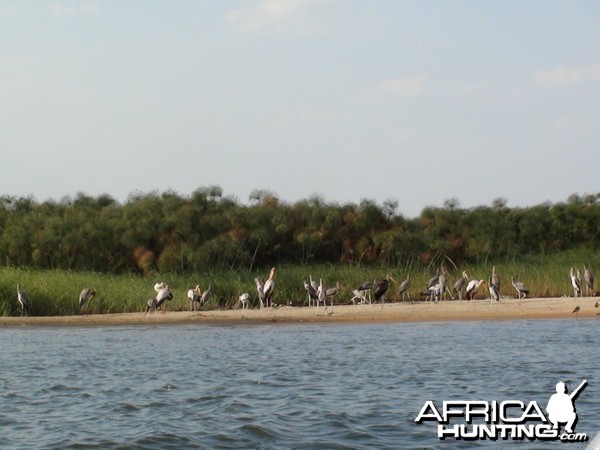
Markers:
point(520, 288)
point(404, 288)
point(321, 294)
point(576, 310)
point(193, 296)
point(360, 295)
point(205, 295)
point(460, 285)
point(473, 287)
point(495, 282)
point(269, 288)
point(86, 296)
point(23, 300)
point(163, 296)
point(311, 291)
point(494, 290)
point(380, 287)
point(245, 300)
point(588, 276)
point(575, 282)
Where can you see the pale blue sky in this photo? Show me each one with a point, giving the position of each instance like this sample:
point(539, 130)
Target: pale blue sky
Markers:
point(419, 101)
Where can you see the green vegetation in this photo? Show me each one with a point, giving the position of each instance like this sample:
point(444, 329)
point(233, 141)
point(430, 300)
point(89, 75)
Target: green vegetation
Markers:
point(54, 249)
point(56, 292)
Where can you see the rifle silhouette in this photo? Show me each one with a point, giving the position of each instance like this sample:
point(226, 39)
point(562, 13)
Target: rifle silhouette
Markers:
point(576, 392)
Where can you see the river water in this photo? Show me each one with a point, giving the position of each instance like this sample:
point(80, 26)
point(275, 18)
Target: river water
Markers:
point(281, 386)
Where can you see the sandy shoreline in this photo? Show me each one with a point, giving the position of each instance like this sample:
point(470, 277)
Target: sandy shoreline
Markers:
point(506, 309)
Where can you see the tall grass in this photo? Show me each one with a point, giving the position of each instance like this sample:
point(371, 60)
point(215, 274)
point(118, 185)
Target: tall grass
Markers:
point(56, 292)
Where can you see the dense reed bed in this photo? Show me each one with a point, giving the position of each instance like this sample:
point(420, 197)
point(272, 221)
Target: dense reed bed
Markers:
point(56, 292)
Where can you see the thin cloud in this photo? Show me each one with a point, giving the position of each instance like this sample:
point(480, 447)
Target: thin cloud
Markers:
point(398, 87)
point(566, 76)
point(270, 15)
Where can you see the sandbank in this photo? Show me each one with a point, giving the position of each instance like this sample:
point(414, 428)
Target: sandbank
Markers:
point(506, 309)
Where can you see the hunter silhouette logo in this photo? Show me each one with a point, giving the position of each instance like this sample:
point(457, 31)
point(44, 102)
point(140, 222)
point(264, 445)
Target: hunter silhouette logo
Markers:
point(561, 408)
point(508, 419)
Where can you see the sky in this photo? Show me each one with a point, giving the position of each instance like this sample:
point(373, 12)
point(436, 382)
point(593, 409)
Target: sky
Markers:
point(418, 101)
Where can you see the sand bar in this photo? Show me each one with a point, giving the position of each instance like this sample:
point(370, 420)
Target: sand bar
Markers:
point(506, 309)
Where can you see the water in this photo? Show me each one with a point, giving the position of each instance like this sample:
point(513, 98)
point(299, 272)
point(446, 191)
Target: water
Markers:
point(279, 386)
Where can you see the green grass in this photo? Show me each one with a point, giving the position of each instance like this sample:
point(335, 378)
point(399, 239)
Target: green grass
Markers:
point(56, 292)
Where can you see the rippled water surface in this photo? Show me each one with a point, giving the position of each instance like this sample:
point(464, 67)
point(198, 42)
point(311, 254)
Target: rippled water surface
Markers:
point(280, 386)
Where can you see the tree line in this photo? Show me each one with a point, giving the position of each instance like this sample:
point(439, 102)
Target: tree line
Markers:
point(206, 230)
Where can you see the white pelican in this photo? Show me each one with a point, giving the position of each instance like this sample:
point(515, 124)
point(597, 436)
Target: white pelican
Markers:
point(23, 301)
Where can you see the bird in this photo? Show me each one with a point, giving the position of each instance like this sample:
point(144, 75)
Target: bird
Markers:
point(321, 294)
point(361, 295)
point(205, 295)
point(381, 286)
point(269, 288)
point(86, 296)
point(193, 296)
point(23, 301)
point(433, 292)
point(159, 286)
point(404, 288)
point(473, 287)
point(333, 291)
point(460, 284)
point(576, 311)
point(259, 290)
point(495, 281)
point(245, 300)
point(311, 291)
point(597, 304)
point(588, 276)
point(443, 284)
point(575, 282)
point(366, 288)
point(520, 288)
point(162, 296)
point(494, 290)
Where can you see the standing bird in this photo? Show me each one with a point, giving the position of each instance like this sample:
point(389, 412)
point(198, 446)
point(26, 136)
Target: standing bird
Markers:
point(163, 296)
point(86, 296)
point(23, 301)
point(311, 291)
point(460, 285)
point(588, 276)
point(205, 295)
point(381, 286)
point(365, 288)
point(494, 290)
point(404, 288)
point(260, 291)
point(575, 282)
point(269, 288)
point(495, 281)
point(245, 300)
point(321, 294)
point(473, 287)
point(443, 283)
point(360, 295)
point(193, 296)
point(520, 288)
point(576, 311)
